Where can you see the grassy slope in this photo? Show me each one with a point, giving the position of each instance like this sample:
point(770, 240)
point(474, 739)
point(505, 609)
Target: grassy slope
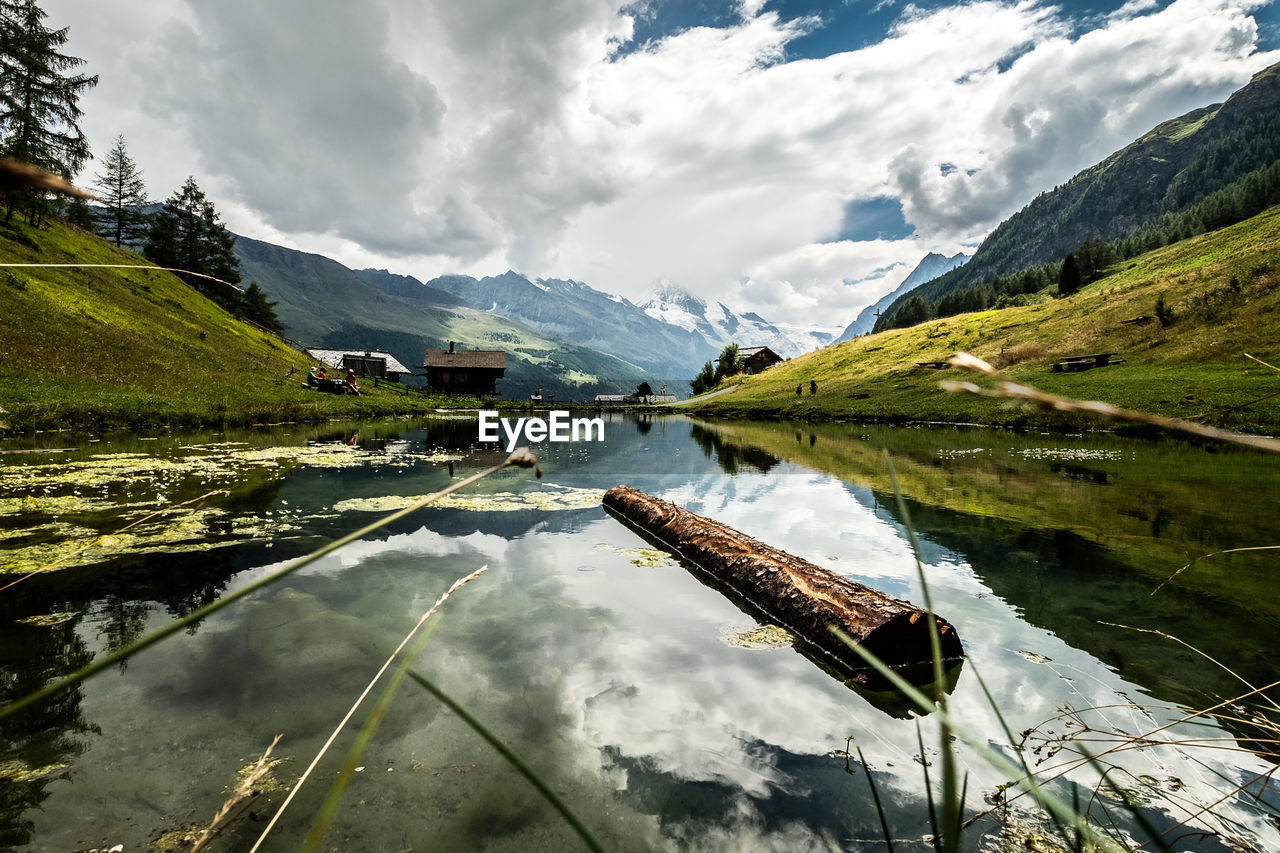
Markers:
point(1192, 369)
point(92, 348)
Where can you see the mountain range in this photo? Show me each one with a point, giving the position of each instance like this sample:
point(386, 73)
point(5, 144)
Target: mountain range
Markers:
point(562, 337)
point(567, 338)
point(572, 311)
point(322, 303)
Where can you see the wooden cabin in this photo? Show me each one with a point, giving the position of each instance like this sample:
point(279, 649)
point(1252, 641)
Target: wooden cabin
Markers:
point(467, 373)
point(367, 364)
point(756, 359)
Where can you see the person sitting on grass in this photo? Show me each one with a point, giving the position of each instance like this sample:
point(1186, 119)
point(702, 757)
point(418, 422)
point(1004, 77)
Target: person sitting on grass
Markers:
point(312, 379)
point(353, 387)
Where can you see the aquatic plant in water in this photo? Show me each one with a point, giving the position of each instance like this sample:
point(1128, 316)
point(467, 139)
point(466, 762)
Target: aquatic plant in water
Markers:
point(81, 512)
point(547, 498)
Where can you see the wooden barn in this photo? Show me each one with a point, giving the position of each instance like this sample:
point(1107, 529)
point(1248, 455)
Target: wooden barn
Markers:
point(367, 364)
point(756, 359)
point(467, 373)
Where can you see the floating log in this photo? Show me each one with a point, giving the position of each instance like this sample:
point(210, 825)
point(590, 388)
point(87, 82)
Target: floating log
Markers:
point(805, 599)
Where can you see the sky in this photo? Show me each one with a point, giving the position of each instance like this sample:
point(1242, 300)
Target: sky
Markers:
point(790, 157)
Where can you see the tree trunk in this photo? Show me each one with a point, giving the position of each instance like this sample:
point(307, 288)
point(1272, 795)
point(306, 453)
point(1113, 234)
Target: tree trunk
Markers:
point(803, 598)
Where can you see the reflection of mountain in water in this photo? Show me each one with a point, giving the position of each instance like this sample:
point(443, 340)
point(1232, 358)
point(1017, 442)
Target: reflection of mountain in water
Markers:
point(1078, 532)
point(1070, 586)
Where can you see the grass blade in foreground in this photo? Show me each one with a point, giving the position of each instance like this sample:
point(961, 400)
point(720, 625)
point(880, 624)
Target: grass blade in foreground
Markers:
point(875, 795)
point(953, 804)
point(377, 711)
point(516, 761)
point(1020, 391)
point(952, 798)
point(995, 759)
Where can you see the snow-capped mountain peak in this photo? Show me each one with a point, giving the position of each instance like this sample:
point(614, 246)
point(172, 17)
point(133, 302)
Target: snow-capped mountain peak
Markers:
point(719, 325)
point(671, 304)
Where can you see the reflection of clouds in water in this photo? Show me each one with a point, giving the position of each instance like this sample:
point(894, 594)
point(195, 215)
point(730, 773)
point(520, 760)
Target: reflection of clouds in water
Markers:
point(692, 702)
point(810, 515)
point(692, 707)
point(630, 661)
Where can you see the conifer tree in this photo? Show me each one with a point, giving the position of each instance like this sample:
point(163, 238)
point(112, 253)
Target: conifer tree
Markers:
point(74, 211)
point(255, 308)
point(1069, 280)
point(39, 94)
point(186, 234)
point(914, 310)
point(123, 194)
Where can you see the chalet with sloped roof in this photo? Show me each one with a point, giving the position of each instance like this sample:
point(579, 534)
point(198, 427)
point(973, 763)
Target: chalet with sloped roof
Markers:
point(756, 359)
point(367, 364)
point(467, 373)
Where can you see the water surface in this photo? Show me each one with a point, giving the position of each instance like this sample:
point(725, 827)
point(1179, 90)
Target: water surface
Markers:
point(645, 697)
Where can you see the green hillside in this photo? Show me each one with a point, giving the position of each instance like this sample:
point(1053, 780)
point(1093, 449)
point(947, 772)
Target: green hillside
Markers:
point(1213, 166)
point(1223, 290)
point(95, 348)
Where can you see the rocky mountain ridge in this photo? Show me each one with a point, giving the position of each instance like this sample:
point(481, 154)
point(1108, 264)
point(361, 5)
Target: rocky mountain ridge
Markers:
point(930, 267)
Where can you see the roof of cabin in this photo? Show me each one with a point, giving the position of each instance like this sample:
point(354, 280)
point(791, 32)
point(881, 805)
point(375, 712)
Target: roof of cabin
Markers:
point(333, 357)
point(482, 358)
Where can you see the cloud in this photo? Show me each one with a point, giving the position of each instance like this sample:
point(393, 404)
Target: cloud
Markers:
point(402, 128)
point(309, 120)
point(826, 284)
point(1069, 102)
point(742, 164)
point(439, 137)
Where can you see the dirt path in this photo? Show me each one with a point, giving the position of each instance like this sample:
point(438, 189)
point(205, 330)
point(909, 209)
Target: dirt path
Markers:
point(700, 398)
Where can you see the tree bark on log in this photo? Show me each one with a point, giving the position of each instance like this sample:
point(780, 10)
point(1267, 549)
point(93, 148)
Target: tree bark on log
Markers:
point(806, 599)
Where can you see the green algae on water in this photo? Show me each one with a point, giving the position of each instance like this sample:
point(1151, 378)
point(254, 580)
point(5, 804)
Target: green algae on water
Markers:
point(47, 620)
point(645, 557)
point(548, 498)
point(80, 512)
point(181, 530)
point(764, 637)
point(19, 771)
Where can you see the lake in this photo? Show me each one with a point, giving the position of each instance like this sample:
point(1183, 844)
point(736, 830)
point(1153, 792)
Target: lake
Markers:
point(651, 703)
